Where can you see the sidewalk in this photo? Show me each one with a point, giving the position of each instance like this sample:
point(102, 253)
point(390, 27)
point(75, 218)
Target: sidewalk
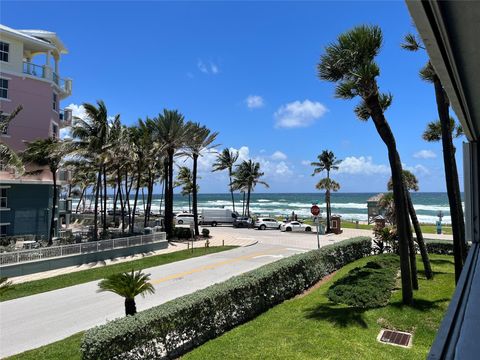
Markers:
point(215, 240)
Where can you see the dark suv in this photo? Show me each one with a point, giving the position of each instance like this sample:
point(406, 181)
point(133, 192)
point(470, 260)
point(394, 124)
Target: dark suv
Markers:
point(242, 222)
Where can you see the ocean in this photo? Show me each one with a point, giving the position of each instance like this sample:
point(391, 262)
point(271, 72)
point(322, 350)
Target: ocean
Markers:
point(351, 206)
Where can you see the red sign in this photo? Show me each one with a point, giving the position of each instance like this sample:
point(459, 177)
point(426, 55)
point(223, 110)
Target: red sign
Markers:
point(315, 210)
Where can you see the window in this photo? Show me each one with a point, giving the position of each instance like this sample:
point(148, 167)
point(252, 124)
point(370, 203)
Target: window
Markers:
point(3, 230)
point(54, 131)
point(54, 101)
point(4, 88)
point(3, 198)
point(4, 49)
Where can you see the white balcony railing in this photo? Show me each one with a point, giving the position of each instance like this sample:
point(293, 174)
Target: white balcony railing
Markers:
point(45, 72)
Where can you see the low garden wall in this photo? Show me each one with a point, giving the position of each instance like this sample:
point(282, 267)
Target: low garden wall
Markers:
point(171, 329)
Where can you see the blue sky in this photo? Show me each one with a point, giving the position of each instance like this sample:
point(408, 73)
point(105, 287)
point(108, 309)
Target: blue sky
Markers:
point(247, 70)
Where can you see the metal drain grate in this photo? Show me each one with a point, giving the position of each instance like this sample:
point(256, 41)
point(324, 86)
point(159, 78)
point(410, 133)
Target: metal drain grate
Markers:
point(397, 338)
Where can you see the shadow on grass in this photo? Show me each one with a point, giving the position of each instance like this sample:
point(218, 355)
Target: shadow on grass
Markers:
point(421, 304)
point(339, 316)
point(441, 261)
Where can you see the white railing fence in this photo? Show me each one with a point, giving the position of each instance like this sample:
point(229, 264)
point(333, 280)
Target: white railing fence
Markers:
point(16, 257)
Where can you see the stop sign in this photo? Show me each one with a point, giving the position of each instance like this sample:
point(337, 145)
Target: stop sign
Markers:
point(315, 210)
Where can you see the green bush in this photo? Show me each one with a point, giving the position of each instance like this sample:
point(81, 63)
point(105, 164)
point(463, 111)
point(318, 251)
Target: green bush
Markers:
point(369, 286)
point(171, 329)
point(205, 232)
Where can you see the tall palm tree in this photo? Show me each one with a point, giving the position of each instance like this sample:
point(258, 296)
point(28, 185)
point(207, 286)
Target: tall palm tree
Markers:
point(170, 131)
point(9, 158)
point(185, 180)
point(350, 62)
point(225, 161)
point(128, 285)
point(46, 153)
point(91, 136)
point(411, 183)
point(200, 141)
point(246, 176)
point(326, 162)
point(427, 73)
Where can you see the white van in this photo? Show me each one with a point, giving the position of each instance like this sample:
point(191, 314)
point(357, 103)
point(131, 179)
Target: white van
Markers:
point(217, 216)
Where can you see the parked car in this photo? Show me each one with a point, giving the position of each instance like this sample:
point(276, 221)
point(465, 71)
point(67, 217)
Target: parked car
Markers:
point(295, 226)
point(266, 223)
point(243, 222)
point(184, 219)
point(217, 216)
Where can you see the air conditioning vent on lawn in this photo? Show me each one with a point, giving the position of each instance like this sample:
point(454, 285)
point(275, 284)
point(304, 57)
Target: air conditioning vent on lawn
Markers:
point(398, 338)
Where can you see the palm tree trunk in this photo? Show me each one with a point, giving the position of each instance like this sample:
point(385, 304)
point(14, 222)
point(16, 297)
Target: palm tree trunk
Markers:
point(81, 198)
point(248, 200)
point(169, 197)
point(412, 254)
point(115, 199)
point(130, 307)
point(403, 224)
point(194, 194)
point(327, 203)
point(54, 206)
point(122, 204)
point(95, 210)
point(132, 225)
point(189, 202)
point(451, 177)
point(243, 204)
point(420, 241)
point(104, 200)
point(231, 190)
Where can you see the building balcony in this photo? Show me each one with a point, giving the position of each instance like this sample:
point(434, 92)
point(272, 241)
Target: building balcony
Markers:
point(45, 72)
point(65, 117)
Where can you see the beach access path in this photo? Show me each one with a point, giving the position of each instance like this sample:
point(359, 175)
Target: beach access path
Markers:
point(33, 321)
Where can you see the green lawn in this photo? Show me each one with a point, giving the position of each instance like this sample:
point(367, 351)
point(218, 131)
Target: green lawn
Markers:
point(80, 277)
point(66, 349)
point(312, 327)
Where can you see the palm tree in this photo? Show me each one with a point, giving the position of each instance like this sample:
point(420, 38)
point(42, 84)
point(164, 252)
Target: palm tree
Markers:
point(326, 162)
point(9, 158)
point(5, 285)
point(200, 140)
point(185, 180)
point(428, 74)
point(246, 177)
point(170, 131)
point(92, 139)
point(46, 152)
point(350, 62)
point(128, 285)
point(411, 183)
point(225, 161)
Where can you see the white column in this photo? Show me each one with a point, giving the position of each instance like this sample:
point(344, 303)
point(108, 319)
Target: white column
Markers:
point(49, 53)
point(56, 64)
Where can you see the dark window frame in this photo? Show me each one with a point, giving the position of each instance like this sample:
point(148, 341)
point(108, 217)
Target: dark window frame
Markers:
point(4, 51)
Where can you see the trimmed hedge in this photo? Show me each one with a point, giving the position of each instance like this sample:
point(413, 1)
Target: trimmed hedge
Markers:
point(369, 286)
point(171, 329)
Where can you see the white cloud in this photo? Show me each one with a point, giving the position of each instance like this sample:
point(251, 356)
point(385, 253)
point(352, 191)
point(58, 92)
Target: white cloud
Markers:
point(425, 154)
point(254, 101)
point(282, 169)
point(306, 162)
point(299, 114)
point(208, 68)
point(418, 169)
point(77, 111)
point(362, 165)
point(278, 155)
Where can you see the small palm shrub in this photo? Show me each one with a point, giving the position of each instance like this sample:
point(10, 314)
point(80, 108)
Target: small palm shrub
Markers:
point(205, 233)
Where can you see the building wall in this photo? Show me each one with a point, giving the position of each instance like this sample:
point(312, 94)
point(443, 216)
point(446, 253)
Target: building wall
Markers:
point(29, 209)
point(15, 58)
point(37, 116)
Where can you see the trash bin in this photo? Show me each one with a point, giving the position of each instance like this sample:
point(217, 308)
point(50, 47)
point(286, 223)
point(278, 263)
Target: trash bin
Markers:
point(336, 224)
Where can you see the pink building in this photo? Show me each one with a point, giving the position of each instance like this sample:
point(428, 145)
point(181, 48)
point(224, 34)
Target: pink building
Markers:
point(29, 77)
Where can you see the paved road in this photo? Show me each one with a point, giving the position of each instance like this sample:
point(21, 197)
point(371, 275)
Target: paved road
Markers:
point(36, 320)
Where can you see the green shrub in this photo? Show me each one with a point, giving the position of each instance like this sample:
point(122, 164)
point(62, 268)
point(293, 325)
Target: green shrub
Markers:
point(205, 232)
point(369, 286)
point(171, 329)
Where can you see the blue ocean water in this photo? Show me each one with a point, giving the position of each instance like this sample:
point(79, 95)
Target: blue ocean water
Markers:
point(351, 206)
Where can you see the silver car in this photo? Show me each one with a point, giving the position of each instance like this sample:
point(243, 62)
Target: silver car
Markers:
point(266, 223)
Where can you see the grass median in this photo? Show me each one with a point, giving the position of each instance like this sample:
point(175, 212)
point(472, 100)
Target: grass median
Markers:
point(312, 327)
point(80, 277)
